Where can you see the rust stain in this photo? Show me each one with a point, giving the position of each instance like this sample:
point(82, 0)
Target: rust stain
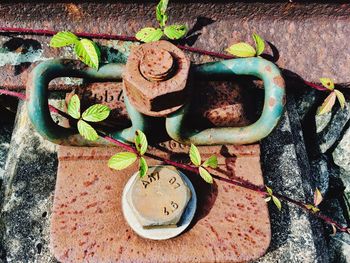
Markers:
point(272, 102)
point(279, 81)
point(268, 68)
point(91, 205)
point(89, 183)
point(74, 11)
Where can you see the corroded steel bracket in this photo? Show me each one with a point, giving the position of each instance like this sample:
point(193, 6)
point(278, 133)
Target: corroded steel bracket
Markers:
point(231, 223)
point(140, 102)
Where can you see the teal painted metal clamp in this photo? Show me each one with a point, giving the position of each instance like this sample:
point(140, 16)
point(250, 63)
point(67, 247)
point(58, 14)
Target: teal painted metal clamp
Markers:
point(273, 104)
point(39, 114)
point(38, 108)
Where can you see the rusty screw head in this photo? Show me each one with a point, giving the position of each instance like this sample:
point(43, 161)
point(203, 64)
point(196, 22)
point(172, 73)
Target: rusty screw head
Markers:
point(155, 78)
point(157, 65)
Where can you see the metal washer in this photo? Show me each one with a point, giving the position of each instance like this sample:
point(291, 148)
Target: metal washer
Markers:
point(159, 233)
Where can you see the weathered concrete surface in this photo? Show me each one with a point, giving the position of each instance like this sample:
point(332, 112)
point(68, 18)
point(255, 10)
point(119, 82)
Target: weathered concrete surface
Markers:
point(5, 137)
point(341, 153)
point(309, 39)
point(327, 144)
point(296, 236)
point(6, 126)
point(28, 184)
point(331, 126)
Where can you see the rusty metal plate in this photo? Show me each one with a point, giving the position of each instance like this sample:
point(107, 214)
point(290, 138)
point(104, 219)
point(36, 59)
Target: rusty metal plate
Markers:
point(87, 224)
point(231, 223)
point(303, 38)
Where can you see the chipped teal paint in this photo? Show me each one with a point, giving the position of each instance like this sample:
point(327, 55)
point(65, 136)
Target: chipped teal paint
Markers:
point(38, 109)
point(175, 123)
point(225, 70)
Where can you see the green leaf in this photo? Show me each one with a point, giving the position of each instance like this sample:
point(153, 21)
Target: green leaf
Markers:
point(195, 155)
point(122, 160)
point(211, 162)
point(327, 83)
point(74, 107)
point(87, 131)
point(143, 167)
point(175, 31)
point(312, 208)
point(340, 97)
point(277, 202)
point(242, 50)
point(205, 175)
point(327, 105)
point(269, 190)
point(160, 12)
point(62, 39)
point(259, 43)
point(141, 142)
point(317, 197)
point(88, 52)
point(96, 113)
point(149, 34)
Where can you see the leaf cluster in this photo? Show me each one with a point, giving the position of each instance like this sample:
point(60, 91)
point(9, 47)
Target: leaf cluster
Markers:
point(317, 200)
point(122, 160)
point(86, 50)
point(196, 159)
point(329, 102)
point(94, 113)
point(151, 34)
point(270, 196)
point(245, 50)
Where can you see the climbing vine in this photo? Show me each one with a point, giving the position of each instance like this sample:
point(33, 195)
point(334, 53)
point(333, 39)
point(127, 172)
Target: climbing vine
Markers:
point(88, 52)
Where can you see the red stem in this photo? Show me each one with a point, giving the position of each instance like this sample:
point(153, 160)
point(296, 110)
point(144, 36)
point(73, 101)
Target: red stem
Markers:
point(205, 52)
point(119, 143)
point(13, 94)
point(318, 87)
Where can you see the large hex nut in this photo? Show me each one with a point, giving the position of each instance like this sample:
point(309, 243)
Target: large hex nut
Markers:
point(159, 198)
point(155, 78)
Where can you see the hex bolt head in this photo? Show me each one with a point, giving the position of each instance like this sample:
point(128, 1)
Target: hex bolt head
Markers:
point(160, 197)
point(155, 78)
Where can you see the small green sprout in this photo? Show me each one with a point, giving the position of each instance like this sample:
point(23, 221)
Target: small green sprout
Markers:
point(329, 102)
point(151, 34)
point(197, 161)
point(123, 160)
point(245, 50)
point(270, 196)
point(94, 113)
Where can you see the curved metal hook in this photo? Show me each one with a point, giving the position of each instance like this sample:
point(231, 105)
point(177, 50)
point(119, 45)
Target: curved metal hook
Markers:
point(38, 108)
point(272, 111)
